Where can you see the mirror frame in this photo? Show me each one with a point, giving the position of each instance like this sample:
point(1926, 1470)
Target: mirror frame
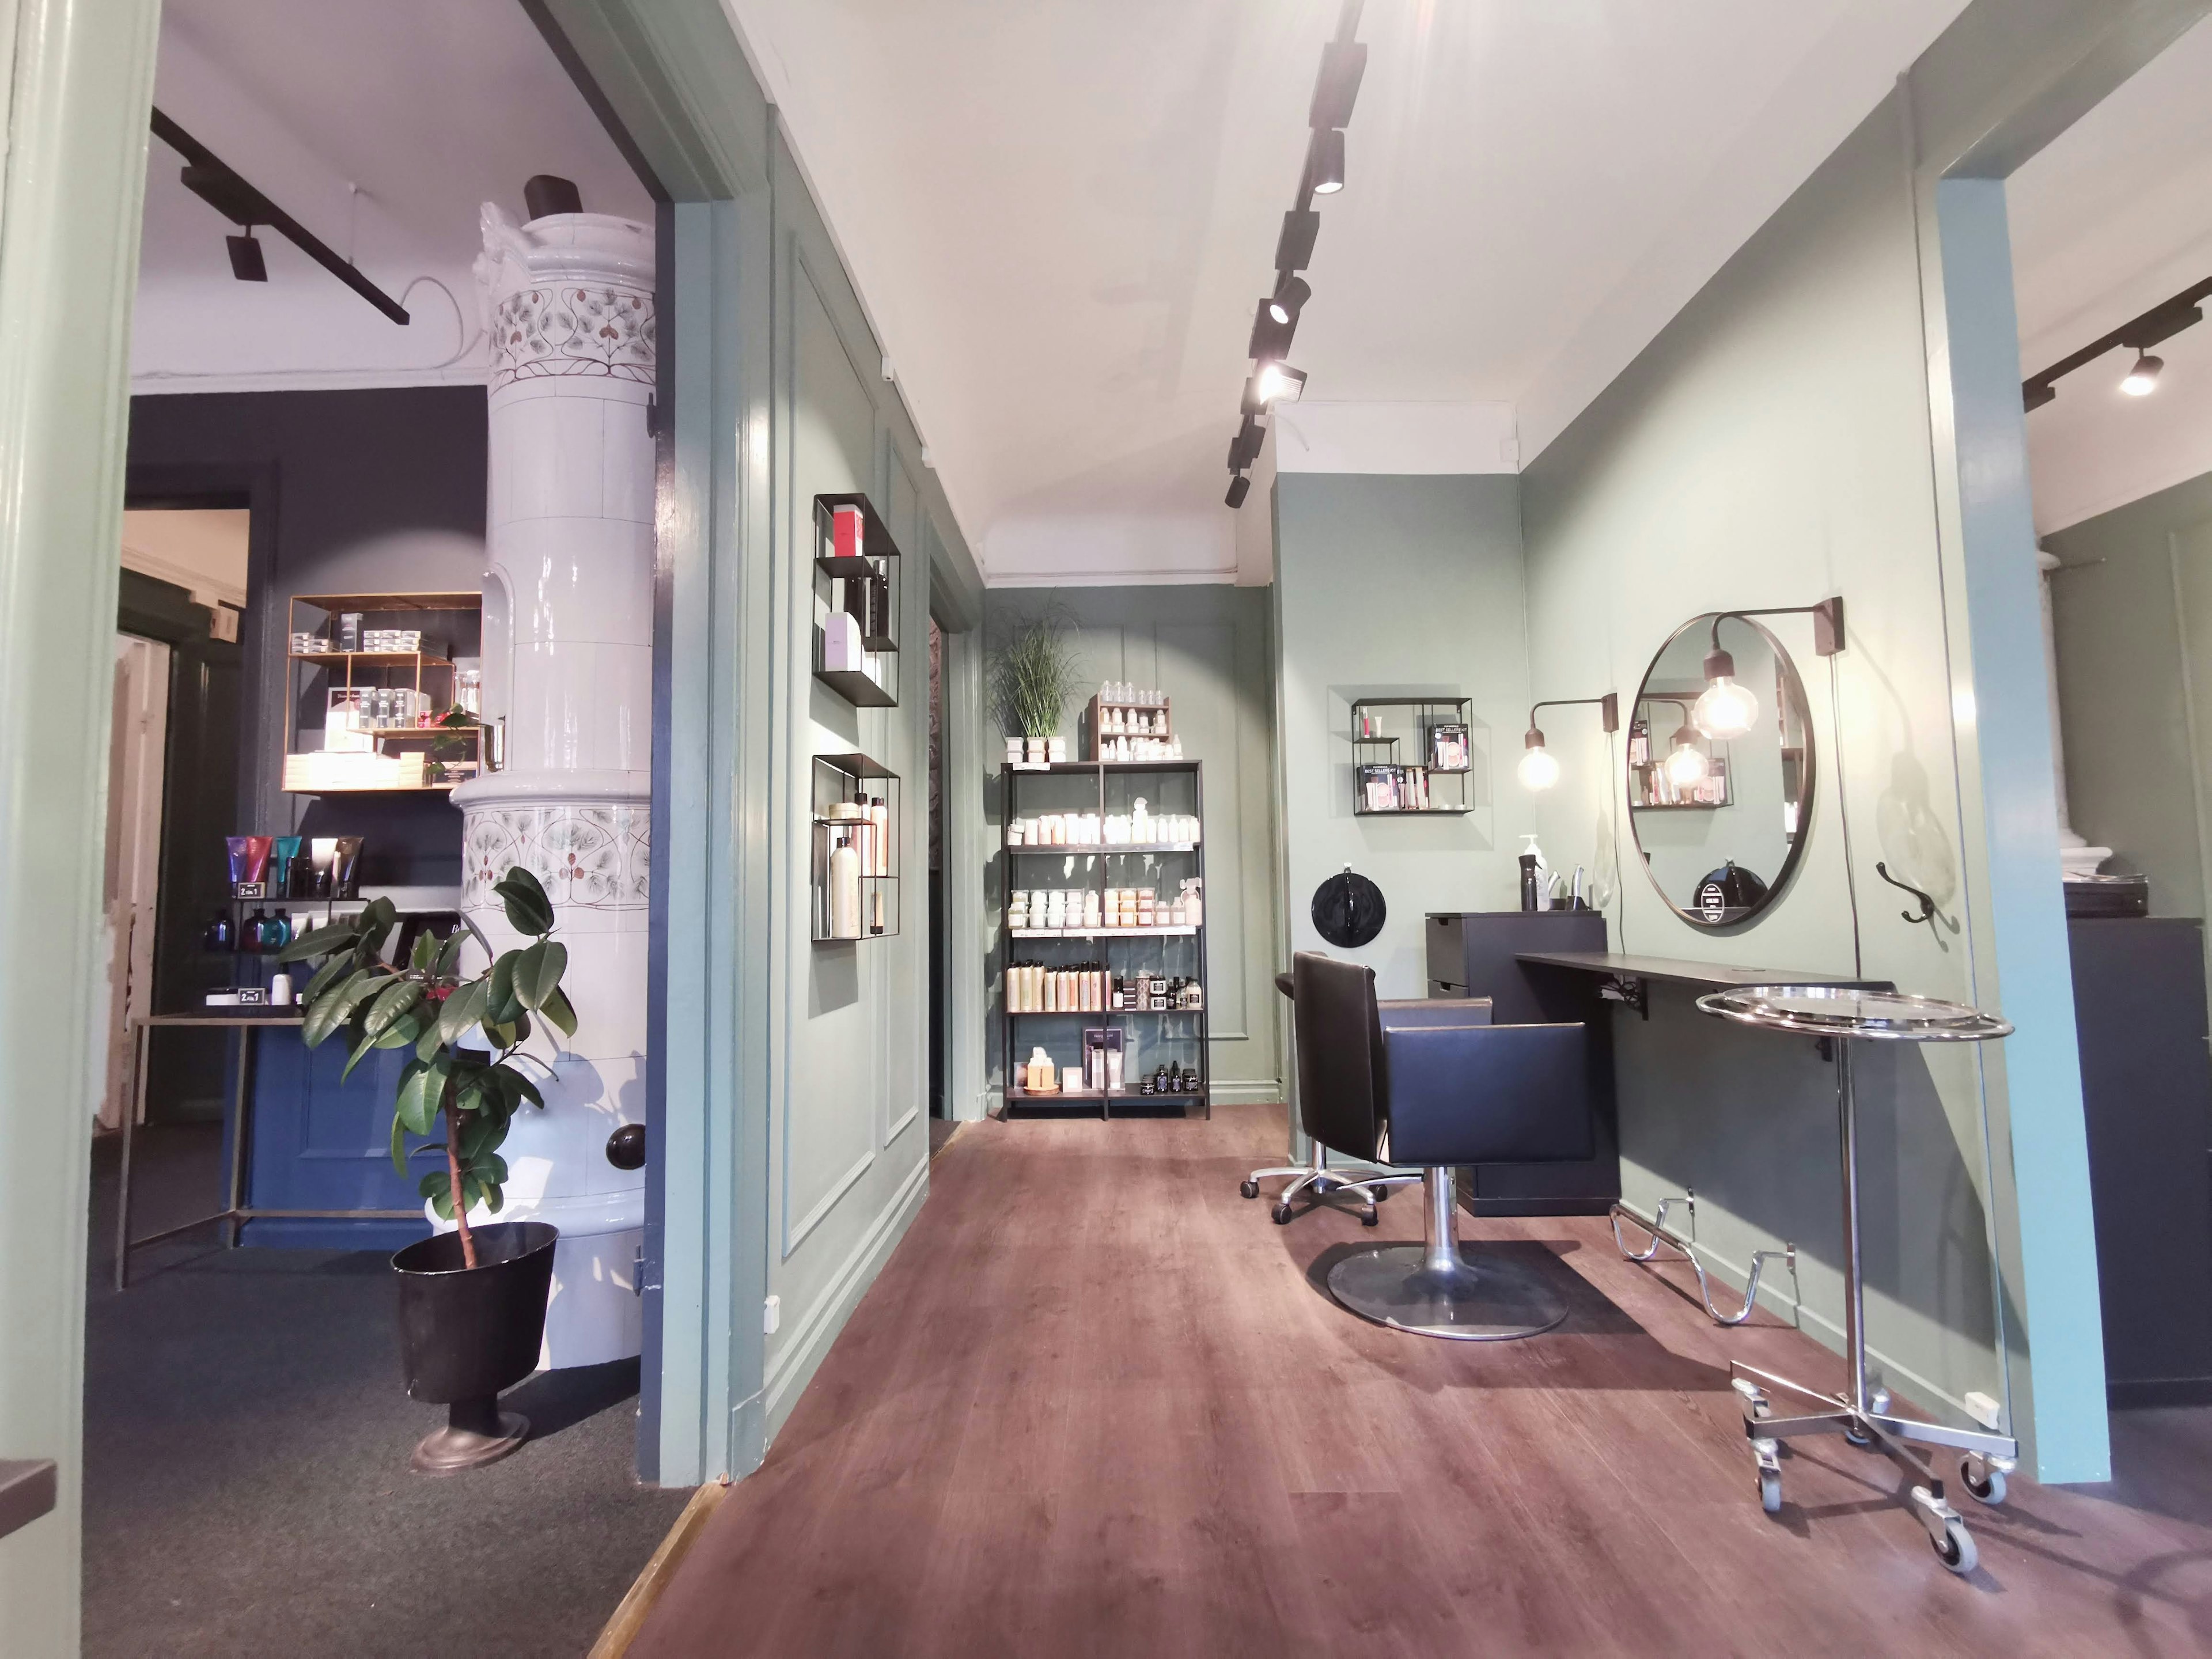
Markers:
point(1702, 622)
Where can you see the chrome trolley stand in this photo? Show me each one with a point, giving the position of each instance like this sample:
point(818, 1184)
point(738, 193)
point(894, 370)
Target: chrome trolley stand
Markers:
point(1841, 1017)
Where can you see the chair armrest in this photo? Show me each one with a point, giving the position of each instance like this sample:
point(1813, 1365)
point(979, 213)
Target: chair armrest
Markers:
point(1489, 1094)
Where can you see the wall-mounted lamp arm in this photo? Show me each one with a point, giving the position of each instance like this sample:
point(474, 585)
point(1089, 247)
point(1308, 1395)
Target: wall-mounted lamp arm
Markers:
point(1608, 705)
point(1827, 621)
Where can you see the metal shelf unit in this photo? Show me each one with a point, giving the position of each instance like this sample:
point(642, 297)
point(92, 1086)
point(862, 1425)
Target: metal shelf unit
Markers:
point(1190, 938)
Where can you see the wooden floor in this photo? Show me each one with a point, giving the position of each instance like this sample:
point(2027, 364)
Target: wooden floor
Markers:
point(1095, 1405)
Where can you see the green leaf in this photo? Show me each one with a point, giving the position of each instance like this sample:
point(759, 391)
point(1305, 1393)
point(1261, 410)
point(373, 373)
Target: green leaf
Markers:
point(326, 977)
point(558, 1010)
point(425, 951)
point(518, 1085)
point(537, 974)
point(398, 1145)
point(461, 1009)
point(422, 1091)
point(361, 1052)
point(319, 942)
point(392, 1001)
point(502, 1005)
point(494, 1199)
point(337, 1005)
point(449, 954)
point(430, 1045)
point(528, 910)
point(405, 1031)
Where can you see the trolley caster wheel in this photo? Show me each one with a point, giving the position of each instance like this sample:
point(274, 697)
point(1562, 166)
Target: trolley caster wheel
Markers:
point(1249, 1188)
point(1769, 1492)
point(1989, 1488)
point(1281, 1215)
point(1858, 1436)
point(1955, 1548)
point(1369, 1218)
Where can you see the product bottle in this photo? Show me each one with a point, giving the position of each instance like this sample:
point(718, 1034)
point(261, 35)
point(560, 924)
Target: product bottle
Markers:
point(876, 911)
point(249, 934)
point(845, 890)
point(879, 842)
point(1531, 862)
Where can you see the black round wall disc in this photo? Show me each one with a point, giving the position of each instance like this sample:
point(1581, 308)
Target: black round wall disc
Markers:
point(1348, 909)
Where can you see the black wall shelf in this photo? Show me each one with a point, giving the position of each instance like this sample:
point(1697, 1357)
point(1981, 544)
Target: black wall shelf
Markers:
point(841, 779)
point(1381, 779)
point(866, 587)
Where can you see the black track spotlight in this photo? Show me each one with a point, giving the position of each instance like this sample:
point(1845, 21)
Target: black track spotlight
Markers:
point(1273, 383)
point(1294, 248)
point(1270, 339)
point(1342, 64)
point(1325, 162)
point(1290, 298)
point(1245, 447)
point(1239, 487)
point(2143, 379)
point(245, 261)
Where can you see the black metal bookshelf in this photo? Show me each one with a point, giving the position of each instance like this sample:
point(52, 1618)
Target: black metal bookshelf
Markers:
point(1180, 949)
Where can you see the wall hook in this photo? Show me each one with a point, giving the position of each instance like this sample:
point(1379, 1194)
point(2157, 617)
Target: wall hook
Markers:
point(1927, 904)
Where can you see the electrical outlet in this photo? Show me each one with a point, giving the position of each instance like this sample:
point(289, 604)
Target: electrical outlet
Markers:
point(771, 1314)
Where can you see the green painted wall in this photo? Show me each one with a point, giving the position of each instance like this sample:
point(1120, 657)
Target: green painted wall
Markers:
point(1207, 645)
point(2131, 608)
point(1391, 587)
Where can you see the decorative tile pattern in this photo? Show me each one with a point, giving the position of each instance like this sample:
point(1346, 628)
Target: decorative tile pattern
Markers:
point(540, 332)
point(588, 857)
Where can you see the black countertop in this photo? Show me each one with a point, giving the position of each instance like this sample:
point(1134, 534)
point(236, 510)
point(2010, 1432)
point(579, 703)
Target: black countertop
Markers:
point(1716, 974)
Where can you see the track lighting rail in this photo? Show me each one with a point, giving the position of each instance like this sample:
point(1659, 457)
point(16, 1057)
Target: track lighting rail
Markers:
point(215, 182)
point(2139, 334)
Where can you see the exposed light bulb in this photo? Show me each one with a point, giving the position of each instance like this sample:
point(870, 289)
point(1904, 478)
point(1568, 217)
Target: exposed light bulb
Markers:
point(2143, 379)
point(1686, 765)
point(1539, 769)
point(1727, 709)
point(1278, 382)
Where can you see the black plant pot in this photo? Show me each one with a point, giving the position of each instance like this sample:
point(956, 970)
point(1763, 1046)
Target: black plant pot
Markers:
point(466, 1333)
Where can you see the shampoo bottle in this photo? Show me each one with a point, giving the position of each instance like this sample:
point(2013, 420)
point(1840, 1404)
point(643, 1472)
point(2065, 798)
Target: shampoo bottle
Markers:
point(844, 890)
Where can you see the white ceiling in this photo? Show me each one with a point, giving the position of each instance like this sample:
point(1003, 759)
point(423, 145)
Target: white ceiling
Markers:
point(429, 106)
point(1061, 217)
point(2112, 216)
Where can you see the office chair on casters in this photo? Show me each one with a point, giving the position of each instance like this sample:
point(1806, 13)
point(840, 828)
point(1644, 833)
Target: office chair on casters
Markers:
point(1435, 1083)
point(1360, 1179)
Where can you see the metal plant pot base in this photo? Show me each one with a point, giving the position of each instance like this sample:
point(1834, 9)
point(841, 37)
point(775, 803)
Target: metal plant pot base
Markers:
point(476, 1432)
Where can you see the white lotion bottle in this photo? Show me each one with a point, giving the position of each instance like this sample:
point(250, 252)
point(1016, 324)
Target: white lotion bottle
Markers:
point(844, 890)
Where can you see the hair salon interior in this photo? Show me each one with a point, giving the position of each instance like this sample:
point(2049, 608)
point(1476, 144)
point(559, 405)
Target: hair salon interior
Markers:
point(1278, 826)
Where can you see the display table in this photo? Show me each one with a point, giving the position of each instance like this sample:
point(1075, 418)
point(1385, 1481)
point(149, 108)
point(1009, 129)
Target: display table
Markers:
point(238, 1127)
point(1840, 1017)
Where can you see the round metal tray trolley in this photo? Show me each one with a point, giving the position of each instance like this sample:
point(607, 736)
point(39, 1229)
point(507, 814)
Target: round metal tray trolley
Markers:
point(1843, 1016)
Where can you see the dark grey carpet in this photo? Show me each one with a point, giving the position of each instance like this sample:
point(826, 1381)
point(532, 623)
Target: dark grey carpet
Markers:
point(246, 1487)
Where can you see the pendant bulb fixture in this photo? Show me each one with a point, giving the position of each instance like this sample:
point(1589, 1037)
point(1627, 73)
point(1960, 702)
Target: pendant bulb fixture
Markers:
point(1727, 709)
point(1325, 161)
point(1540, 768)
point(2143, 379)
point(1686, 765)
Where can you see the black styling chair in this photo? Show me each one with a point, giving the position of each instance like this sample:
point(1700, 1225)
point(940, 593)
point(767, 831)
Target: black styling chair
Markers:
point(1361, 1180)
point(1435, 1083)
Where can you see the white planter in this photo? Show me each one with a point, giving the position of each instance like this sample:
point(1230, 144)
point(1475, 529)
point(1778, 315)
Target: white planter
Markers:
point(1015, 751)
point(1056, 749)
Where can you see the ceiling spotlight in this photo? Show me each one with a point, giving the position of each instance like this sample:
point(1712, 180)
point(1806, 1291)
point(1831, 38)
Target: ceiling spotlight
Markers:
point(1294, 248)
point(1290, 298)
point(1342, 64)
point(1245, 447)
point(245, 261)
point(2143, 379)
point(1239, 486)
point(1275, 383)
point(1325, 161)
point(1539, 769)
point(1270, 338)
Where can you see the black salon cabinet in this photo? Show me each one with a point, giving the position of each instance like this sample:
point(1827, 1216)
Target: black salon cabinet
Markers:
point(2140, 1019)
point(1475, 953)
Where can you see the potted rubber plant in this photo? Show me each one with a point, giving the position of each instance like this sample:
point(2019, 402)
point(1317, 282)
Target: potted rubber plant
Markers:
point(1031, 678)
point(472, 1301)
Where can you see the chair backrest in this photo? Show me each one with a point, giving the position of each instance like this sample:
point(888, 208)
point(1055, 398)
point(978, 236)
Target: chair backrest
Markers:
point(1488, 1094)
point(1338, 1037)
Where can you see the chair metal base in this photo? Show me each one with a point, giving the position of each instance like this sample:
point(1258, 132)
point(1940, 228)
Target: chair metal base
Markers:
point(1485, 1298)
point(1362, 1183)
point(1441, 1288)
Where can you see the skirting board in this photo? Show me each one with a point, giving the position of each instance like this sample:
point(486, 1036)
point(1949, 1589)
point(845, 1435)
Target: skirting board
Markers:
point(1247, 1092)
point(810, 1343)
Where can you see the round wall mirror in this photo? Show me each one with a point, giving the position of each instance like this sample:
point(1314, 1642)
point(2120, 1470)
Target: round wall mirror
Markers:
point(1720, 770)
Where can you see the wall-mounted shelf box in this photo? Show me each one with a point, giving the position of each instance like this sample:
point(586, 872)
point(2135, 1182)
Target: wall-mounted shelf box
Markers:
point(856, 592)
point(1097, 717)
point(1437, 784)
point(846, 780)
